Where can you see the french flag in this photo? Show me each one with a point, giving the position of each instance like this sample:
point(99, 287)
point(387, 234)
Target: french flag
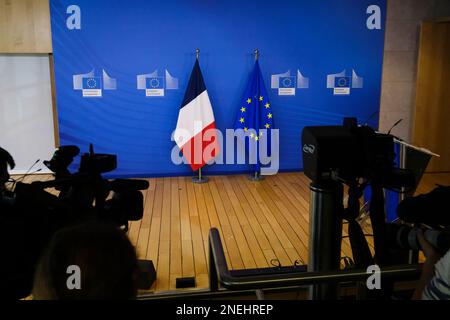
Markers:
point(195, 134)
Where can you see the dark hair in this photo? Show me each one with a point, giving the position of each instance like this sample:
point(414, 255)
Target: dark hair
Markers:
point(105, 257)
point(5, 156)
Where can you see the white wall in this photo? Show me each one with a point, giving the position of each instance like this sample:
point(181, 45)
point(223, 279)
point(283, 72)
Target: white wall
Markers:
point(26, 119)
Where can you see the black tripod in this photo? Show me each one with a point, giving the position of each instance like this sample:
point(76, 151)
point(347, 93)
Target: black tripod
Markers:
point(326, 217)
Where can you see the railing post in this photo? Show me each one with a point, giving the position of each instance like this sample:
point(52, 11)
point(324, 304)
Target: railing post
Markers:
point(213, 275)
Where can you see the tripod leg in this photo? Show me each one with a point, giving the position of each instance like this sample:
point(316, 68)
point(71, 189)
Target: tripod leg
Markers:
point(378, 220)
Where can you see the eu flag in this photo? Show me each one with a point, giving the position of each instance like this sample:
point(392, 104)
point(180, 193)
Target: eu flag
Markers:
point(255, 112)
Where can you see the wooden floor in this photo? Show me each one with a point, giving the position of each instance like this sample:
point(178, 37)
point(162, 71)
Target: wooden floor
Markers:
point(259, 223)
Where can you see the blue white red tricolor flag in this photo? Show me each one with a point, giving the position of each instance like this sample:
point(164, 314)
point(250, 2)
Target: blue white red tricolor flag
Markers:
point(195, 133)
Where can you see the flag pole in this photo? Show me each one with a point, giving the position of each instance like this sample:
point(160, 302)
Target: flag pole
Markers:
point(257, 176)
point(199, 178)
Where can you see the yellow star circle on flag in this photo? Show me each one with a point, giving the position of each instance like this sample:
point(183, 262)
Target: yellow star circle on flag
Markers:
point(267, 105)
point(269, 116)
point(249, 100)
point(243, 109)
point(260, 98)
point(241, 120)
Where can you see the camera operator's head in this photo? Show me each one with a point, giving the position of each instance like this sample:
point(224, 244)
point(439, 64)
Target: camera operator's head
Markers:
point(92, 260)
point(5, 160)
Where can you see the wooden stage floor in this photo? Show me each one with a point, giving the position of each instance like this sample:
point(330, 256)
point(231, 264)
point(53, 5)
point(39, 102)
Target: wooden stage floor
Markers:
point(259, 222)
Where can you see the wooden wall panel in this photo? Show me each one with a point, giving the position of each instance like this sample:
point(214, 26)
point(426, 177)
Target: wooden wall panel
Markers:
point(25, 26)
point(432, 113)
point(54, 105)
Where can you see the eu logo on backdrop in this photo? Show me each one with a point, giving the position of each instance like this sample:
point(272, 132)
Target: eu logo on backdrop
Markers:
point(287, 82)
point(342, 82)
point(92, 83)
point(155, 85)
point(93, 86)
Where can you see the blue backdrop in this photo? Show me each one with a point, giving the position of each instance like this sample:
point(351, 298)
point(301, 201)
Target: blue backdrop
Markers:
point(111, 42)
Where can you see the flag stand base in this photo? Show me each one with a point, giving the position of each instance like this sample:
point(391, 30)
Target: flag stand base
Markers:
point(200, 180)
point(255, 177)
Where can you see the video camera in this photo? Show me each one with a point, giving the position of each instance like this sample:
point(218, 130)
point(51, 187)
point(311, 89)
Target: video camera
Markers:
point(349, 152)
point(86, 191)
point(30, 214)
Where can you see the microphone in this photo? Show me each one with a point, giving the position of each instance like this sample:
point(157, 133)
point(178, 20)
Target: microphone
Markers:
point(395, 124)
point(27, 172)
point(26, 175)
point(370, 117)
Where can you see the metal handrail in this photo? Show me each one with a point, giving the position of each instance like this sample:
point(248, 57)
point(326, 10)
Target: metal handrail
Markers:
point(219, 273)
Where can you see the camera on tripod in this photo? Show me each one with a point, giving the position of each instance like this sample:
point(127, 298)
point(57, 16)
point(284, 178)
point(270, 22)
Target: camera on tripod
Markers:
point(358, 156)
